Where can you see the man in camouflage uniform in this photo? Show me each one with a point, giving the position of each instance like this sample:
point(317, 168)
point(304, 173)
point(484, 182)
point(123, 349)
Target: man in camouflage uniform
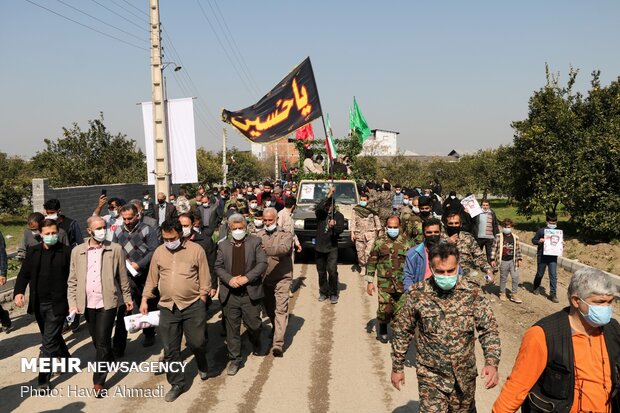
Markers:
point(473, 261)
point(447, 313)
point(386, 260)
point(410, 223)
point(365, 226)
point(381, 201)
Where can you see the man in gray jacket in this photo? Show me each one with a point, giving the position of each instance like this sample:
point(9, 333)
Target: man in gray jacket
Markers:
point(278, 245)
point(240, 265)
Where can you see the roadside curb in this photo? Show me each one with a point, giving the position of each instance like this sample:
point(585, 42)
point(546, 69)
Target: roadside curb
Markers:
point(567, 264)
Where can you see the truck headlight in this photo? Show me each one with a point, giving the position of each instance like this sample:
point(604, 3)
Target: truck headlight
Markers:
point(299, 224)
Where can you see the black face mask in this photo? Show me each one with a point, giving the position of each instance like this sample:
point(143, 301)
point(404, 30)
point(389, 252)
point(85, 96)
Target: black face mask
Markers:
point(431, 240)
point(425, 214)
point(161, 201)
point(452, 230)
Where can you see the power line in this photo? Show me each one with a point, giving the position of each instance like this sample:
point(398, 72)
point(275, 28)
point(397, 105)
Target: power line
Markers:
point(120, 15)
point(230, 60)
point(87, 26)
point(128, 11)
point(231, 41)
point(140, 10)
point(104, 22)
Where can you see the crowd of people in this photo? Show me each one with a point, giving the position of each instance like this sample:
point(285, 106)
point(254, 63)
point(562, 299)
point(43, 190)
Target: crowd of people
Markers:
point(426, 258)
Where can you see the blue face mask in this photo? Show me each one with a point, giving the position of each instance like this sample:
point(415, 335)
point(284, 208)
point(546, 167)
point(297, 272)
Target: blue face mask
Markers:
point(363, 203)
point(393, 232)
point(445, 282)
point(50, 239)
point(598, 315)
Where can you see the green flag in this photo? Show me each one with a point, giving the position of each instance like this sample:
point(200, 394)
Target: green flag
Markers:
point(357, 123)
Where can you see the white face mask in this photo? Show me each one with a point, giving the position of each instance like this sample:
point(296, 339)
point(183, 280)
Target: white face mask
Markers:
point(238, 234)
point(173, 245)
point(416, 209)
point(253, 206)
point(35, 232)
point(53, 216)
point(258, 223)
point(268, 203)
point(98, 234)
point(271, 227)
point(187, 231)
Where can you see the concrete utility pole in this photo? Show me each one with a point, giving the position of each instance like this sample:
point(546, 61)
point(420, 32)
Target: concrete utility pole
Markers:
point(276, 166)
point(160, 127)
point(224, 166)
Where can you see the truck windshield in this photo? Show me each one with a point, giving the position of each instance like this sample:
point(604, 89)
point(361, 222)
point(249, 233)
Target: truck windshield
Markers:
point(314, 192)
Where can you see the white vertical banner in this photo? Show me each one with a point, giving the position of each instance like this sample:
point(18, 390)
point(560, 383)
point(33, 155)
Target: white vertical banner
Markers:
point(181, 140)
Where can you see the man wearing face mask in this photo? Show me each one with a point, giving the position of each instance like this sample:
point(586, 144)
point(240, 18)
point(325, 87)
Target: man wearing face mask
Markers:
point(256, 223)
point(278, 245)
point(410, 222)
point(485, 228)
point(46, 270)
point(179, 270)
point(507, 250)
point(365, 227)
point(568, 361)
point(397, 198)
point(473, 261)
point(386, 261)
point(139, 241)
point(447, 313)
point(113, 219)
point(97, 278)
point(330, 224)
point(426, 207)
point(192, 233)
point(417, 266)
point(148, 204)
point(164, 210)
point(240, 265)
point(32, 235)
point(546, 261)
point(70, 226)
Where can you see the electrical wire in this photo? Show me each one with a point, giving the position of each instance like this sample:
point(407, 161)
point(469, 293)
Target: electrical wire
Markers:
point(140, 10)
point(127, 10)
point(102, 21)
point(87, 26)
point(121, 16)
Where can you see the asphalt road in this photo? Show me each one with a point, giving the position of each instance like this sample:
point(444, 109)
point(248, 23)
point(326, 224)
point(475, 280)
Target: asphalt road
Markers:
point(332, 362)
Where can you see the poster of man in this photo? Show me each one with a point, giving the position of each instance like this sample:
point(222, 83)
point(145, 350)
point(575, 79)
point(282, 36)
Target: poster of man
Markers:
point(554, 242)
point(471, 206)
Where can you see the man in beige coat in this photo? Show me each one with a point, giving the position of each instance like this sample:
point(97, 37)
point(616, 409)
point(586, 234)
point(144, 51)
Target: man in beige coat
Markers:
point(278, 245)
point(97, 277)
point(365, 228)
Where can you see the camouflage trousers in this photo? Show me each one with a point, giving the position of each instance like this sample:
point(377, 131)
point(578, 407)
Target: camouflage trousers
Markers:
point(459, 400)
point(363, 245)
point(389, 305)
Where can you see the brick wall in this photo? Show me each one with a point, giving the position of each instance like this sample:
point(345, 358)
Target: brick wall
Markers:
point(78, 202)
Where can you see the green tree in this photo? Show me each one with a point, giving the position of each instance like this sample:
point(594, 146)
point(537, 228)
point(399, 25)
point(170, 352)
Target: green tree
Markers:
point(365, 167)
point(403, 171)
point(209, 167)
point(546, 144)
point(245, 167)
point(90, 157)
point(15, 183)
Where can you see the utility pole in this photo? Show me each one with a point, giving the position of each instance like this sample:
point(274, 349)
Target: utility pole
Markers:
point(275, 167)
point(224, 166)
point(160, 127)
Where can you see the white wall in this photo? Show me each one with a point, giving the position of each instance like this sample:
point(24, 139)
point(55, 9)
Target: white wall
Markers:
point(381, 143)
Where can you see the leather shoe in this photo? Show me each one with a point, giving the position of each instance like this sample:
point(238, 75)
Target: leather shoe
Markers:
point(173, 393)
point(233, 368)
point(277, 352)
point(203, 374)
point(99, 391)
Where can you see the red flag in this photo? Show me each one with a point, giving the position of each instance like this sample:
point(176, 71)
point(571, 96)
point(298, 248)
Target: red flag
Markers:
point(284, 167)
point(305, 133)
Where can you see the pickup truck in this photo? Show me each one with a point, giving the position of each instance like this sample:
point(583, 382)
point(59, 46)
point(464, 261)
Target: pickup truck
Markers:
point(309, 194)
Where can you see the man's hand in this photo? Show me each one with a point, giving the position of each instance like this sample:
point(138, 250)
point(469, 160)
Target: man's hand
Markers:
point(298, 247)
point(144, 307)
point(203, 298)
point(353, 237)
point(19, 300)
point(243, 280)
point(331, 191)
point(490, 372)
point(453, 239)
point(370, 288)
point(2, 280)
point(103, 200)
point(541, 241)
point(129, 305)
point(73, 310)
point(493, 263)
point(489, 278)
point(212, 292)
point(135, 266)
point(234, 282)
point(518, 263)
point(398, 379)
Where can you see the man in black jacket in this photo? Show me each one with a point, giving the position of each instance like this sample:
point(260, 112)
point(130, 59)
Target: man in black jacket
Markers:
point(330, 224)
point(46, 269)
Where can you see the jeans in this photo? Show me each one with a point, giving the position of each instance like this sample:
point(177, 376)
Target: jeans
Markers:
point(508, 268)
point(100, 323)
point(327, 263)
point(191, 322)
point(544, 261)
point(53, 344)
point(487, 245)
point(235, 309)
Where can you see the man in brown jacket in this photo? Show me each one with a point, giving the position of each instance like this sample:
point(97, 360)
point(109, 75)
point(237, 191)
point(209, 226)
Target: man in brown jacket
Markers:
point(278, 245)
point(97, 276)
point(180, 270)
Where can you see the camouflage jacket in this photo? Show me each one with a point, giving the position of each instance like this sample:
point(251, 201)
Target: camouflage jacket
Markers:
point(387, 261)
point(410, 223)
point(382, 203)
point(471, 256)
point(447, 322)
point(360, 224)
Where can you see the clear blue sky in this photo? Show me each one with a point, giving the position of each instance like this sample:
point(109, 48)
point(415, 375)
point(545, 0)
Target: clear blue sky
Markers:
point(444, 74)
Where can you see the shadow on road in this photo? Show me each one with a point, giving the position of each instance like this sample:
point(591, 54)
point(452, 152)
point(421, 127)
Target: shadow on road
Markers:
point(413, 406)
point(294, 325)
point(76, 407)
